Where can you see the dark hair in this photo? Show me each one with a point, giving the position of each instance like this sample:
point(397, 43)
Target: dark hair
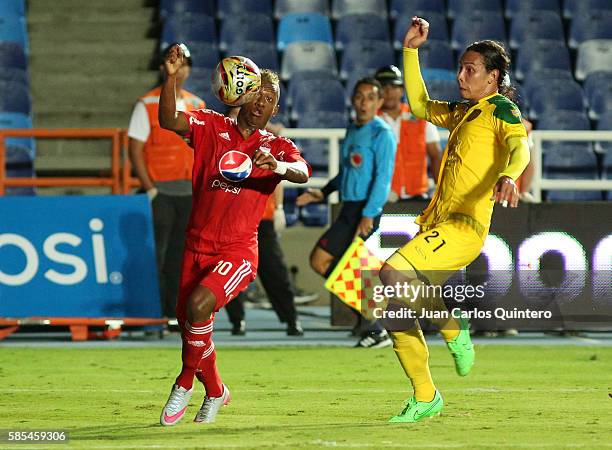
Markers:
point(495, 56)
point(368, 80)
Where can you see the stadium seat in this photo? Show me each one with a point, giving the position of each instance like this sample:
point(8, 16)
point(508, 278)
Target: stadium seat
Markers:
point(188, 27)
point(365, 54)
point(15, 97)
point(261, 53)
point(529, 25)
point(15, 75)
point(300, 77)
point(601, 102)
point(477, 26)
point(594, 81)
point(514, 7)
point(314, 215)
point(282, 7)
point(436, 55)
point(573, 8)
point(571, 160)
point(575, 196)
point(443, 90)
point(400, 8)
point(558, 94)
point(541, 54)
point(458, 8)
point(539, 79)
point(168, 8)
point(593, 55)
point(13, 29)
point(439, 74)
point(564, 120)
point(12, 7)
point(318, 95)
point(12, 56)
point(303, 56)
point(203, 54)
point(590, 25)
point(253, 27)
point(359, 27)
point(605, 123)
point(227, 8)
point(294, 27)
point(438, 28)
point(344, 7)
point(18, 150)
point(291, 210)
point(324, 119)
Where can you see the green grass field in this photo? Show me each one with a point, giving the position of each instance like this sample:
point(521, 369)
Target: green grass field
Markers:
point(516, 397)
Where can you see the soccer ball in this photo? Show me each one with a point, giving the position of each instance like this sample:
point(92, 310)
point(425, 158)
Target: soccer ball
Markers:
point(236, 80)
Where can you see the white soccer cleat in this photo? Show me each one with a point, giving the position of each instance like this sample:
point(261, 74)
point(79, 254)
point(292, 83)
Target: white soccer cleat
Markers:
point(176, 405)
point(211, 406)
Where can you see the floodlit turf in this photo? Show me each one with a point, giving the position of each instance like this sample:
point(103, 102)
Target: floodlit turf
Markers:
point(516, 397)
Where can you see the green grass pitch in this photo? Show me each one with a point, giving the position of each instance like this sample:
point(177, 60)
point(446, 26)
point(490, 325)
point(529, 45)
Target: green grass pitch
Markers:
point(516, 397)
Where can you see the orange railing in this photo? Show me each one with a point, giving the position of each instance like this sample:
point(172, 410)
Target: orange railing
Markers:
point(119, 180)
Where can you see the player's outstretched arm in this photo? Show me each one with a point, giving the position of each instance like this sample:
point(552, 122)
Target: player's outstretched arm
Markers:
point(168, 116)
point(415, 86)
point(296, 172)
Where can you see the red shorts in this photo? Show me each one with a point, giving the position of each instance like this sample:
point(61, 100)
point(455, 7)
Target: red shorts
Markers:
point(225, 274)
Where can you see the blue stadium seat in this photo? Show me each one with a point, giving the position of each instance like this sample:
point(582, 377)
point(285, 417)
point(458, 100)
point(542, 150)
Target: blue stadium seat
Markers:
point(305, 56)
point(13, 29)
point(312, 96)
point(573, 8)
point(316, 152)
point(365, 54)
point(514, 7)
point(324, 119)
point(575, 196)
point(559, 94)
point(282, 7)
point(20, 172)
point(601, 102)
point(477, 26)
point(439, 74)
point(590, 25)
point(15, 97)
point(359, 27)
point(400, 8)
point(18, 150)
point(443, 90)
point(282, 116)
point(14, 75)
point(168, 8)
point(538, 79)
point(188, 27)
point(605, 123)
point(593, 56)
point(252, 27)
point(300, 77)
point(564, 120)
point(13, 56)
point(541, 54)
point(343, 7)
point(436, 54)
point(530, 25)
point(262, 53)
point(203, 54)
point(199, 73)
point(595, 82)
point(12, 7)
point(458, 8)
point(314, 215)
point(295, 27)
point(438, 28)
point(291, 210)
point(228, 8)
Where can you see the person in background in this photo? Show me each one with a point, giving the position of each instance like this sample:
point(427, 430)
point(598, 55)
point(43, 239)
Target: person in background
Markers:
point(163, 161)
point(366, 166)
point(417, 140)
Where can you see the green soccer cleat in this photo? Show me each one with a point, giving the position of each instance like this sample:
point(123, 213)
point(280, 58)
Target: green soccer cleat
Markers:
point(415, 410)
point(462, 349)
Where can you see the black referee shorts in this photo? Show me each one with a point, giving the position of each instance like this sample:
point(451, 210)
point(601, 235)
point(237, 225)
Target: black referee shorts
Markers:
point(341, 233)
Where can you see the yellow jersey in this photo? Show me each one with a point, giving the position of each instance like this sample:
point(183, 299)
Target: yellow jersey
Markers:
point(477, 153)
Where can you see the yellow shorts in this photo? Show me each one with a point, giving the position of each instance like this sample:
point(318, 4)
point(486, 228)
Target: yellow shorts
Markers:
point(436, 253)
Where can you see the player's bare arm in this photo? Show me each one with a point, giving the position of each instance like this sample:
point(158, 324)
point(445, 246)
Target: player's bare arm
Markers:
point(265, 160)
point(310, 196)
point(506, 192)
point(417, 33)
point(168, 116)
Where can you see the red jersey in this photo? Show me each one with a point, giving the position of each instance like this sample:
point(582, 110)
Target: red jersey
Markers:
point(229, 192)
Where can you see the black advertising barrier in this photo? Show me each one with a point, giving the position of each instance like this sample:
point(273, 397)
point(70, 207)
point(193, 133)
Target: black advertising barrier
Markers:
point(543, 267)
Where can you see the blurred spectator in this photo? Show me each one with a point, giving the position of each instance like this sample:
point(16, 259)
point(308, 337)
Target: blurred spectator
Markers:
point(417, 139)
point(163, 161)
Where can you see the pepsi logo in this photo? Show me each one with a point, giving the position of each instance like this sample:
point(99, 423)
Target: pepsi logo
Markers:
point(235, 166)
